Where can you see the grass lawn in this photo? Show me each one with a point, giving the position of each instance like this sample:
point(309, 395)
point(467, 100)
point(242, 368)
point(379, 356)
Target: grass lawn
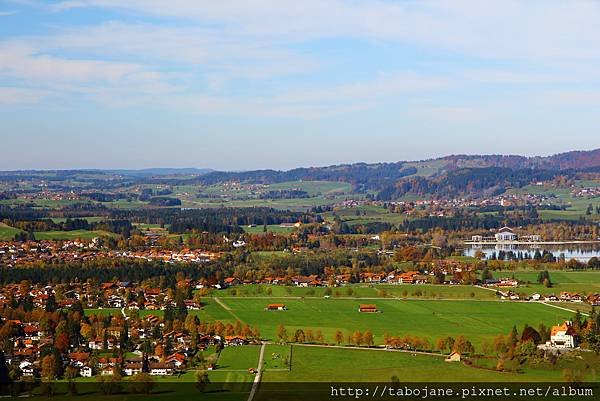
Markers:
point(7, 233)
point(277, 357)
point(477, 320)
point(71, 235)
point(362, 291)
point(562, 277)
point(361, 365)
point(585, 282)
point(239, 358)
point(271, 228)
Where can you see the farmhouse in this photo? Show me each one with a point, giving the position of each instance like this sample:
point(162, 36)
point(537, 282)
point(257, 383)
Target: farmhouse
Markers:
point(235, 340)
point(563, 336)
point(161, 369)
point(412, 277)
point(276, 307)
point(132, 369)
point(367, 308)
point(453, 357)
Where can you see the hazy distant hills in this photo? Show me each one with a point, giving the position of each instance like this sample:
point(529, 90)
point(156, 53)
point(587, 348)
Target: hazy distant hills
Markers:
point(561, 161)
point(149, 172)
point(391, 171)
point(446, 176)
point(454, 175)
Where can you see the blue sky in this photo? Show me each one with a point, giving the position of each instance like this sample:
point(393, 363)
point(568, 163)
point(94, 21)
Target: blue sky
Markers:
point(279, 84)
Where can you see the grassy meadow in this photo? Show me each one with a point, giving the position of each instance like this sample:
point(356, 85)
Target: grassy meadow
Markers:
point(477, 320)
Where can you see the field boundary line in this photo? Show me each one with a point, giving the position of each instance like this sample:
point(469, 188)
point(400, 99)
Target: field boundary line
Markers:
point(565, 309)
point(372, 349)
point(228, 309)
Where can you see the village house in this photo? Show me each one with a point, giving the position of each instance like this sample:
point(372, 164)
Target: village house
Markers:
point(453, 357)
point(535, 297)
point(161, 369)
point(276, 307)
point(85, 371)
point(367, 308)
point(563, 336)
point(411, 277)
point(235, 340)
point(131, 369)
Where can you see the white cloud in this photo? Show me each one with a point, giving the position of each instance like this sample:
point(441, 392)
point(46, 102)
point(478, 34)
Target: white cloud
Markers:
point(550, 29)
point(213, 45)
point(20, 96)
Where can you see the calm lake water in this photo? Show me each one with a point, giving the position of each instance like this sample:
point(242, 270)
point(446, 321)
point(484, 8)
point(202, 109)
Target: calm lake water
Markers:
point(582, 253)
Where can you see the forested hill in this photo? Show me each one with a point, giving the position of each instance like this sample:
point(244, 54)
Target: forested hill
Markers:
point(369, 176)
point(446, 176)
point(561, 161)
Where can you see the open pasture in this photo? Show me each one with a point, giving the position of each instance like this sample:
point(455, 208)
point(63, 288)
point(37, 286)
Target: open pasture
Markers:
point(319, 364)
point(363, 291)
point(7, 233)
point(562, 277)
point(477, 320)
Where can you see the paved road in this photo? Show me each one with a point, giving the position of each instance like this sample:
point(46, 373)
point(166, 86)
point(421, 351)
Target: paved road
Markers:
point(259, 373)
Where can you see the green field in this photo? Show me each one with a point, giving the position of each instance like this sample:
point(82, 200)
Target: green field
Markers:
point(271, 228)
point(70, 235)
point(563, 277)
point(365, 214)
point(363, 291)
point(477, 320)
point(239, 358)
point(7, 233)
point(361, 365)
point(585, 282)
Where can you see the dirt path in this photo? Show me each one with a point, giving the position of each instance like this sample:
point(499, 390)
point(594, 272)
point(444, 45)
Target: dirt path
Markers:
point(228, 309)
point(565, 309)
point(372, 349)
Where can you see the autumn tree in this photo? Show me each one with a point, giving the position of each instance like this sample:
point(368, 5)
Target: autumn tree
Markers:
point(282, 333)
point(339, 337)
point(368, 338)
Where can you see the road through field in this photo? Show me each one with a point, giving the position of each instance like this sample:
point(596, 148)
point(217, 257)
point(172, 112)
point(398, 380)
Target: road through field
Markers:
point(258, 373)
point(370, 349)
point(565, 309)
point(228, 309)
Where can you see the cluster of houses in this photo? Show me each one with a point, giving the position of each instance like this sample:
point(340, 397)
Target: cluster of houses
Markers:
point(98, 355)
point(590, 192)
point(31, 252)
point(121, 294)
point(592, 299)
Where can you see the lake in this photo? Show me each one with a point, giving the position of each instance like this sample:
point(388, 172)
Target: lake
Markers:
point(582, 253)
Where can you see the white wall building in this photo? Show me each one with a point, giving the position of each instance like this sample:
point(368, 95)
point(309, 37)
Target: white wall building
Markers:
point(505, 234)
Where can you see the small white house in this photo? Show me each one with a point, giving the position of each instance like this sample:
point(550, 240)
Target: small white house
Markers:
point(85, 371)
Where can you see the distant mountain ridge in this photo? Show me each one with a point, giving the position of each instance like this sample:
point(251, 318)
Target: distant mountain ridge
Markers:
point(454, 175)
point(148, 172)
point(561, 161)
point(392, 171)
